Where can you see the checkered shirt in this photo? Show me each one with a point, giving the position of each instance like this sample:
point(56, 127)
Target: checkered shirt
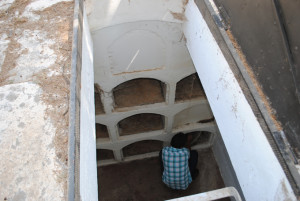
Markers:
point(176, 173)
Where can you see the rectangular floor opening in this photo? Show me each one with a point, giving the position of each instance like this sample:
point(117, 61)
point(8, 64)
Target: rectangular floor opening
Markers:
point(147, 90)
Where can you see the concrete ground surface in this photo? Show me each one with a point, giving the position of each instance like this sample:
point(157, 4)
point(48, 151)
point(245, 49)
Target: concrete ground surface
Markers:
point(141, 180)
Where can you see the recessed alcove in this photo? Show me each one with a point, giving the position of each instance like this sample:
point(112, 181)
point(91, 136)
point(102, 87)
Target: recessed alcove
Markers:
point(197, 114)
point(200, 137)
point(188, 88)
point(104, 154)
point(141, 123)
point(101, 131)
point(140, 91)
point(98, 103)
point(142, 147)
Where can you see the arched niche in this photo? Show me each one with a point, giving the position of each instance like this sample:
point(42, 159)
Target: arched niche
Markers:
point(189, 88)
point(141, 91)
point(98, 103)
point(200, 137)
point(142, 147)
point(196, 114)
point(101, 131)
point(104, 154)
point(141, 123)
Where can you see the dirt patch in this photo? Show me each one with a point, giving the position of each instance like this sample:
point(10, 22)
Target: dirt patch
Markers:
point(141, 180)
point(258, 87)
point(139, 92)
point(142, 147)
point(57, 22)
point(104, 154)
point(101, 131)
point(141, 123)
point(13, 23)
point(99, 109)
point(189, 88)
point(56, 88)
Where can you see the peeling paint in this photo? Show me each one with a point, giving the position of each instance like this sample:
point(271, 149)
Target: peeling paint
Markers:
point(178, 16)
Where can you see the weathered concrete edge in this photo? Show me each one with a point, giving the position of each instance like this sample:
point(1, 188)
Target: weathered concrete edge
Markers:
point(72, 107)
point(226, 169)
point(278, 135)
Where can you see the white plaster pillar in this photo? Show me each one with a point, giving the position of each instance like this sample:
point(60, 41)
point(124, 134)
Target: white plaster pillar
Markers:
point(169, 123)
point(107, 101)
point(113, 132)
point(118, 155)
point(170, 93)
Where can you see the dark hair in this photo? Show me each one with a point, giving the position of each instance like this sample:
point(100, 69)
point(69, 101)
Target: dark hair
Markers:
point(179, 140)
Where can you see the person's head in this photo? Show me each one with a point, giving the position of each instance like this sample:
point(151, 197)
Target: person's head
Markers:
point(179, 140)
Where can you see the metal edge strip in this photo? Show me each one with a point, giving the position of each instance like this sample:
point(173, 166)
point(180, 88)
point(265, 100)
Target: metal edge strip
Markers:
point(72, 107)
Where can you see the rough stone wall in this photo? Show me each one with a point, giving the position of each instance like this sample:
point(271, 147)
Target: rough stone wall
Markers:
point(35, 61)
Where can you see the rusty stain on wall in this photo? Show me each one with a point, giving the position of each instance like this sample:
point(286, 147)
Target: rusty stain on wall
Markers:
point(178, 16)
point(139, 71)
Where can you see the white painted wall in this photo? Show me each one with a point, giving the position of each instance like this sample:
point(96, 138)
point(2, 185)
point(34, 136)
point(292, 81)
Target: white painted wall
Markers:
point(88, 163)
point(192, 115)
point(138, 39)
point(149, 49)
point(106, 13)
point(257, 168)
point(142, 39)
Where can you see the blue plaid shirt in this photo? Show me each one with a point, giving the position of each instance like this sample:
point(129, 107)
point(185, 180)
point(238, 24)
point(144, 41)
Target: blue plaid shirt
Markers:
point(176, 173)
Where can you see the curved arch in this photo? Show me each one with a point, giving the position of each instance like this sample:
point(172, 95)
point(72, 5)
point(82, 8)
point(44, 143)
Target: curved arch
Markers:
point(130, 77)
point(196, 114)
point(104, 154)
point(139, 91)
point(101, 131)
point(189, 87)
point(142, 147)
point(99, 109)
point(200, 137)
point(141, 123)
point(183, 76)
